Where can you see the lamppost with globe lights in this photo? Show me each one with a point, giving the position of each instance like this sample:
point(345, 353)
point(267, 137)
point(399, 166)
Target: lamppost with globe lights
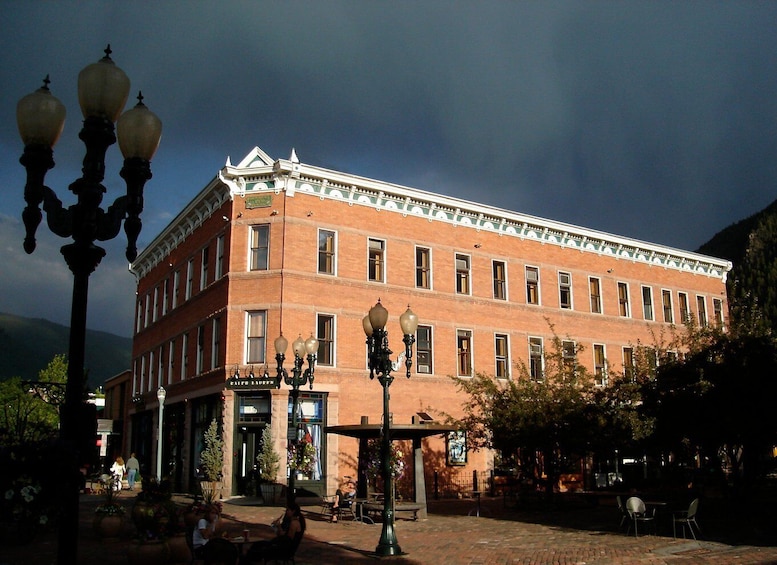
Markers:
point(103, 89)
point(381, 365)
point(160, 395)
point(302, 348)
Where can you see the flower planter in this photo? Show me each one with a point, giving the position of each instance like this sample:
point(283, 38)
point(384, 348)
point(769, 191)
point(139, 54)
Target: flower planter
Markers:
point(179, 550)
point(108, 527)
point(151, 552)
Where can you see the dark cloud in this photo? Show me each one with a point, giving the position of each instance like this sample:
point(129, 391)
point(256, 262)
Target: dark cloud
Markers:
point(652, 120)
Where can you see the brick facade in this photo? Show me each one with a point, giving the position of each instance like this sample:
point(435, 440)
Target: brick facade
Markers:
point(294, 202)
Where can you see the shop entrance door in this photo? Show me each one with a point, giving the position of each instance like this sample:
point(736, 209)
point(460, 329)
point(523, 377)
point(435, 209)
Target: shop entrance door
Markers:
point(246, 469)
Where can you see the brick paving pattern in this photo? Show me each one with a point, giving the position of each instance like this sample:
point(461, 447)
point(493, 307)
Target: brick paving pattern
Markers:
point(575, 536)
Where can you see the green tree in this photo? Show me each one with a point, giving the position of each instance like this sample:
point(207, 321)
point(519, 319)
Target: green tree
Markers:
point(718, 400)
point(544, 425)
point(30, 410)
point(268, 459)
point(213, 455)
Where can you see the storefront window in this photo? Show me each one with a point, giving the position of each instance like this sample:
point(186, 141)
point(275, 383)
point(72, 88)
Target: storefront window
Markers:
point(310, 430)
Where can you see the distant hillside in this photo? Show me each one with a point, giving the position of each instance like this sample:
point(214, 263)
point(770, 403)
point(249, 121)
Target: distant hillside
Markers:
point(27, 345)
point(751, 245)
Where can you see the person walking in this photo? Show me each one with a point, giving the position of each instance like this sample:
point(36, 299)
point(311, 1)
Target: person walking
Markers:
point(117, 473)
point(133, 468)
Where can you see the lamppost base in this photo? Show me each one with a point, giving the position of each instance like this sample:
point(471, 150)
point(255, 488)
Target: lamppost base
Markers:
point(388, 550)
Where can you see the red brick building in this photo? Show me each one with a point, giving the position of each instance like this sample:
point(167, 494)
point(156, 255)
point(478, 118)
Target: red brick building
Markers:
point(278, 245)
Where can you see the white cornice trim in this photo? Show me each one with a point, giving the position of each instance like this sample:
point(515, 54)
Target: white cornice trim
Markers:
point(257, 173)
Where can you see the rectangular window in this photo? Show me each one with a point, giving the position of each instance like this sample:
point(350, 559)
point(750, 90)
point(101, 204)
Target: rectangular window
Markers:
point(215, 343)
point(666, 303)
point(184, 355)
point(160, 369)
point(176, 287)
point(311, 418)
point(219, 257)
point(200, 361)
point(565, 290)
point(423, 267)
point(600, 365)
point(156, 304)
point(259, 248)
point(423, 345)
point(189, 278)
point(170, 361)
point(150, 365)
point(464, 349)
point(629, 371)
point(146, 311)
point(143, 373)
point(532, 285)
point(647, 302)
point(139, 316)
point(327, 252)
point(499, 269)
point(717, 310)
point(256, 337)
point(204, 269)
point(325, 333)
point(595, 288)
point(502, 355)
point(165, 295)
point(569, 355)
point(701, 307)
point(462, 274)
point(624, 309)
point(377, 267)
point(536, 359)
point(684, 307)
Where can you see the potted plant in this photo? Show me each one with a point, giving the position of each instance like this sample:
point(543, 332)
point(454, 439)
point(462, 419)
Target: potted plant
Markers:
point(269, 463)
point(109, 516)
point(212, 458)
point(155, 516)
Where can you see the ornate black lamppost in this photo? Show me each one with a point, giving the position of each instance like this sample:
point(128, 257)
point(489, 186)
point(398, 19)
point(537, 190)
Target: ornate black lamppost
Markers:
point(103, 89)
point(381, 365)
point(298, 378)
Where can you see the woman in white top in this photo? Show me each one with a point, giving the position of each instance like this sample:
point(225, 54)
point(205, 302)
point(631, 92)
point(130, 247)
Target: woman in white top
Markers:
point(117, 473)
point(205, 530)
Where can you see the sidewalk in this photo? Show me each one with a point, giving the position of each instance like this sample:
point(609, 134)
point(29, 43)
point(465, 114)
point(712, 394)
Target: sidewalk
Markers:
point(573, 536)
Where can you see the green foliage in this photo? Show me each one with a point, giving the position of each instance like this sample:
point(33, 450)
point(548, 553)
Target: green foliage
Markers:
point(268, 459)
point(718, 400)
point(24, 416)
point(213, 455)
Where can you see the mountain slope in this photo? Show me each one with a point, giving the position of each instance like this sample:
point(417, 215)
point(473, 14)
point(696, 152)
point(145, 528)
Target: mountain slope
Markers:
point(28, 344)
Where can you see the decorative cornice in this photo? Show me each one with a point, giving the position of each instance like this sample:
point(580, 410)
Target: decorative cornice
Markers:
point(256, 174)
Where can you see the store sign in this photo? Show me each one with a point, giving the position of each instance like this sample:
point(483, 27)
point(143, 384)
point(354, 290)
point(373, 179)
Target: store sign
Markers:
point(247, 383)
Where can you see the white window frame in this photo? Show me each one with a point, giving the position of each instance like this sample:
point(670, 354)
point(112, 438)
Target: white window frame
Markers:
point(651, 315)
point(381, 264)
point(600, 371)
point(428, 271)
point(469, 335)
point(464, 274)
point(565, 286)
point(333, 254)
point(505, 358)
point(664, 293)
point(503, 283)
point(626, 302)
point(536, 284)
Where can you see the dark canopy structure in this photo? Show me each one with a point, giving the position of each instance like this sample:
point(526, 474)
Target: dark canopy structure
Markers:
point(414, 432)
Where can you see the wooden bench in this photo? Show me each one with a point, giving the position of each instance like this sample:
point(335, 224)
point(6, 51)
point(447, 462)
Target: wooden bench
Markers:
point(376, 508)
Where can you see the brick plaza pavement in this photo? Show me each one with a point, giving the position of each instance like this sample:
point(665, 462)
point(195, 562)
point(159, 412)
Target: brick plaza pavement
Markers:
point(573, 536)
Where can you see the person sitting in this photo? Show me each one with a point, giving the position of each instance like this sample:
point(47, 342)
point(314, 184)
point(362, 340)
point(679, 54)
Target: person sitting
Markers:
point(289, 530)
point(205, 530)
point(343, 497)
